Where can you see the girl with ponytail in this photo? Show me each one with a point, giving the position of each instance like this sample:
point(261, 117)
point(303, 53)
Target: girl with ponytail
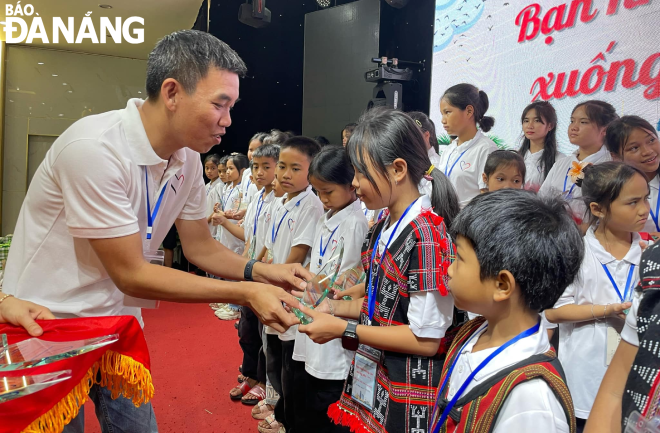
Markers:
point(463, 109)
point(406, 308)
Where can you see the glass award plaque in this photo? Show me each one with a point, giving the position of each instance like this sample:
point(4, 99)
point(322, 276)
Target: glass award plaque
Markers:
point(318, 287)
point(15, 387)
point(351, 277)
point(35, 352)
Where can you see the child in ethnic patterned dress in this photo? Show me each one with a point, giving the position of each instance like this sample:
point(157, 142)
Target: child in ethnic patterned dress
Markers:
point(406, 310)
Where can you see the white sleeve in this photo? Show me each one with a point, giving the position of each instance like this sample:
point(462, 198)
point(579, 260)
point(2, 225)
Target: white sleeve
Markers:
point(629, 331)
point(430, 314)
point(195, 207)
point(353, 240)
point(531, 407)
point(96, 196)
point(481, 164)
point(306, 226)
point(546, 187)
point(567, 298)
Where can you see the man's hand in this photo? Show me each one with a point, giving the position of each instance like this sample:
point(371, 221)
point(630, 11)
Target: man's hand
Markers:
point(266, 302)
point(323, 328)
point(289, 277)
point(18, 312)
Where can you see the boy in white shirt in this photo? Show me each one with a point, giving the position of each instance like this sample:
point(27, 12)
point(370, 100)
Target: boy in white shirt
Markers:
point(253, 233)
point(327, 365)
point(288, 240)
point(515, 254)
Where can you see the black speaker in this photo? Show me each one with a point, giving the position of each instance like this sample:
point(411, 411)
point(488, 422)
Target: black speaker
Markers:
point(254, 15)
point(397, 3)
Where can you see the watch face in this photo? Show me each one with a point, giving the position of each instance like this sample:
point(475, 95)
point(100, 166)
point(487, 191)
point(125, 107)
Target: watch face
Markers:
point(350, 342)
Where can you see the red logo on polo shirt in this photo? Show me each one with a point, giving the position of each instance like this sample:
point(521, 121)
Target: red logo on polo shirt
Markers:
point(180, 179)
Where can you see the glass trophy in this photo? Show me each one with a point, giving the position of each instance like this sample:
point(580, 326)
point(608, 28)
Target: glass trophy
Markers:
point(15, 387)
point(348, 279)
point(239, 203)
point(251, 251)
point(35, 352)
point(318, 287)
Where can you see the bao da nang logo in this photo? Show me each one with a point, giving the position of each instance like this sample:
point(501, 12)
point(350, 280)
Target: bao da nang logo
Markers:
point(24, 25)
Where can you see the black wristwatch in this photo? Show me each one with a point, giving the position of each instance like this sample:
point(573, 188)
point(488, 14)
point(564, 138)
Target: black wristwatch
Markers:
point(350, 340)
point(247, 273)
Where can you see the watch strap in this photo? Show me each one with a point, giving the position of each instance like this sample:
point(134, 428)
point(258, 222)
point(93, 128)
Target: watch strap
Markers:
point(247, 273)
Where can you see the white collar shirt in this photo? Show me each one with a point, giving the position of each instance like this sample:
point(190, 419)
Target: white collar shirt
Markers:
point(588, 340)
point(256, 219)
point(331, 361)
point(464, 165)
point(558, 182)
point(530, 406)
point(533, 169)
point(293, 223)
point(653, 223)
point(92, 185)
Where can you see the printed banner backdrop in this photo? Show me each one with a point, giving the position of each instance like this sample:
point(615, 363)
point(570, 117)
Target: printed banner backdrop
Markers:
point(561, 52)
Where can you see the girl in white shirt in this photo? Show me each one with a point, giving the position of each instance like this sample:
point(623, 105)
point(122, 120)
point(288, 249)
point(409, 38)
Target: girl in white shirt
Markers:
point(211, 170)
point(231, 200)
point(635, 141)
point(589, 121)
point(539, 145)
point(591, 310)
point(407, 308)
point(463, 108)
point(326, 365)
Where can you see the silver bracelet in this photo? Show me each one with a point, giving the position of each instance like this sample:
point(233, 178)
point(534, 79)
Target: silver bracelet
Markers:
point(605, 311)
point(332, 309)
point(593, 315)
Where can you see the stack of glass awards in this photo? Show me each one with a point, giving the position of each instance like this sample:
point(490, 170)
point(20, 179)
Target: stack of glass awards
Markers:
point(319, 286)
point(34, 353)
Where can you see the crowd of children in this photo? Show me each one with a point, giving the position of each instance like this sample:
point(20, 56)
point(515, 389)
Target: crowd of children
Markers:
point(526, 243)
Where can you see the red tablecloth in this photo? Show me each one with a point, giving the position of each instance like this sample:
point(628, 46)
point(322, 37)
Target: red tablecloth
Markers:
point(124, 368)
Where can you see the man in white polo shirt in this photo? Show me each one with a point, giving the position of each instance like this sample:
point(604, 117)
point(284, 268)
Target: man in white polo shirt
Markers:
point(106, 195)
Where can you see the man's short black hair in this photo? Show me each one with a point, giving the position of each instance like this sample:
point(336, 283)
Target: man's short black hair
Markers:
point(304, 145)
point(187, 56)
point(532, 237)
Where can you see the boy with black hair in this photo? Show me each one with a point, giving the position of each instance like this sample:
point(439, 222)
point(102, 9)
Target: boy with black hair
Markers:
point(289, 237)
point(515, 255)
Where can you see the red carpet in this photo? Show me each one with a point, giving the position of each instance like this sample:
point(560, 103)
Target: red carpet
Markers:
point(194, 364)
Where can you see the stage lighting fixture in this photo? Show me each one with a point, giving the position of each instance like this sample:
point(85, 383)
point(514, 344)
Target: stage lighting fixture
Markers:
point(254, 15)
point(324, 3)
point(397, 3)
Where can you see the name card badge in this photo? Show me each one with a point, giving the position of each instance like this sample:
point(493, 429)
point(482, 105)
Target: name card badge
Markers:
point(364, 379)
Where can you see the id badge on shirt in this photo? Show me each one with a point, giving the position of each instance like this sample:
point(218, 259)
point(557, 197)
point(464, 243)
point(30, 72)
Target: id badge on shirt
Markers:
point(364, 376)
point(613, 340)
point(155, 257)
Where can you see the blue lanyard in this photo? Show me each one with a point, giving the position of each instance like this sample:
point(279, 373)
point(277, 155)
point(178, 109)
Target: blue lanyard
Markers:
point(260, 205)
point(323, 250)
point(455, 162)
point(566, 180)
point(152, 217)
point(273, 233)
point(657, 211)
point(445, 413)
point(628, 281)
point(380, 215)
point(373, 273)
